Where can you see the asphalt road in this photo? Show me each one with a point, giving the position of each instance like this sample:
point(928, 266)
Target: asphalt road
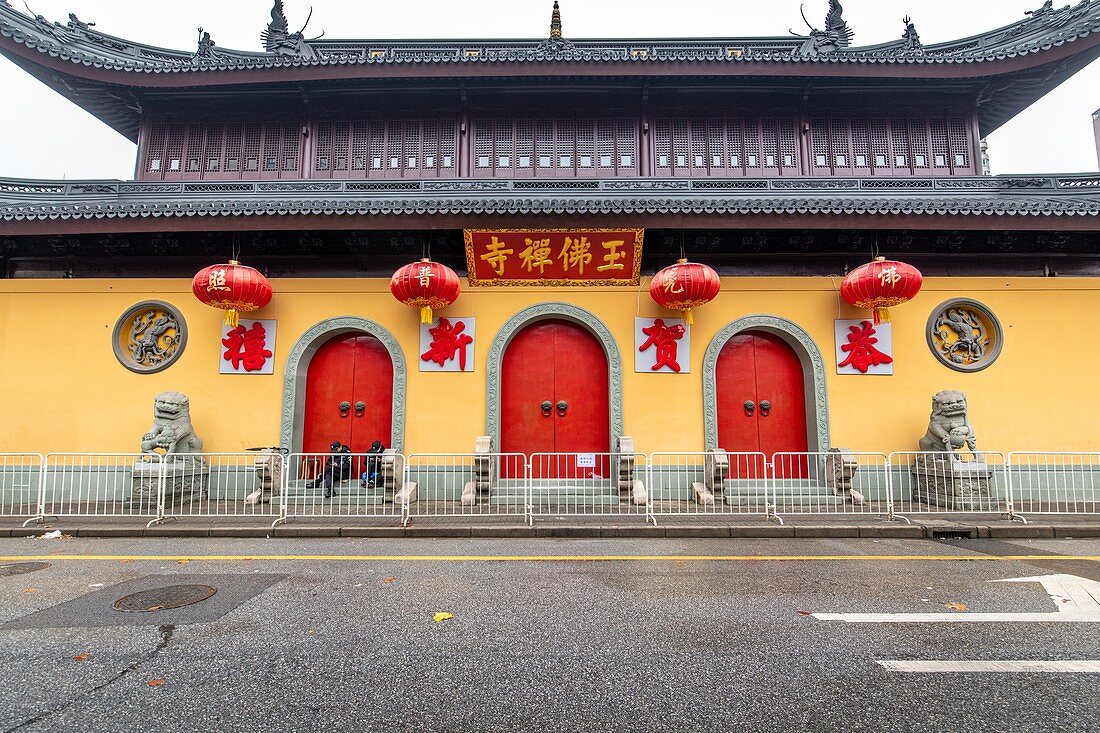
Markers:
point(687, 638)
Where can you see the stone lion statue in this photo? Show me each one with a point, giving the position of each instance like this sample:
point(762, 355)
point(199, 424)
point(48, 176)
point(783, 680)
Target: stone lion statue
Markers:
point(172, 431)
point(949, 426)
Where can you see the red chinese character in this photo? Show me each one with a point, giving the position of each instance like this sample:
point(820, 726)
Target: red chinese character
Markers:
point(247, 346)
point(862, 353)
point(664, 338)
point(447, 342)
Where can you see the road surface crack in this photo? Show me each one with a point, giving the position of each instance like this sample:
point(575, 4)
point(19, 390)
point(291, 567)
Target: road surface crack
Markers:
point(166, 633)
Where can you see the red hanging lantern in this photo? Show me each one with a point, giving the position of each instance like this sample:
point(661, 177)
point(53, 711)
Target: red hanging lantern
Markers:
point(234, 288)
point(880, 285)
point(684, 286)
point(425, 285)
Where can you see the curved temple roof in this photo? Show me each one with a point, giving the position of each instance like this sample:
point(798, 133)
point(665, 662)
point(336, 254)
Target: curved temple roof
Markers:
point(80, 43)
point(980, 202)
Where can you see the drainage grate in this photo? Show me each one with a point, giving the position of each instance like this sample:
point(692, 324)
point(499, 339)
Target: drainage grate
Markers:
point(952, 534)
point(162, 599)
point(22, 568)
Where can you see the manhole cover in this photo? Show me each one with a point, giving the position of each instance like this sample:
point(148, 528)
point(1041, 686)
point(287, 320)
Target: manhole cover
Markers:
point(22, 568)
point(161, 599)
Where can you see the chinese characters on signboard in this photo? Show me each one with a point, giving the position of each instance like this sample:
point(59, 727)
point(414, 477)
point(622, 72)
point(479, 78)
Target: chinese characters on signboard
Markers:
point(447, 345)
point(662, 346)
point(248, 348)
point(554, 256)
point(864, 348)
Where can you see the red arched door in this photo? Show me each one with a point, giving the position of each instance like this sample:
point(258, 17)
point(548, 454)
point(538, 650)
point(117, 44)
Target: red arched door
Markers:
point(355, 369)
point(761, 398)
point(559, 363)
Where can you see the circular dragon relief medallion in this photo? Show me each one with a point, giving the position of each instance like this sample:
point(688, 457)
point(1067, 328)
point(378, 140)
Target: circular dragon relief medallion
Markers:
point(965, 335)
point(149, 337)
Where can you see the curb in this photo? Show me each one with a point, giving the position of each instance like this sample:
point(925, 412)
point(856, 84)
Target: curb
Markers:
point(937, 531)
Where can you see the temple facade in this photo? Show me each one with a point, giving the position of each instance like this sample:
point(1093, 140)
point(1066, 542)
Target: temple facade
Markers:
point(556, 177)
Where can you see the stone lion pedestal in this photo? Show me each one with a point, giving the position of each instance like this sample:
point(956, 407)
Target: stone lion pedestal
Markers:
point(948, 480)
point(186, 478)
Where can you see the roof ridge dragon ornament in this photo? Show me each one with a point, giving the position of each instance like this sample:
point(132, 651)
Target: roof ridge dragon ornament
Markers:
point(837, 34)
point(278, 39)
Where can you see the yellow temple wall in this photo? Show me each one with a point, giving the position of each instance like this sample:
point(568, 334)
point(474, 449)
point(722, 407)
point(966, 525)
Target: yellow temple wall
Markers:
point(64, 390)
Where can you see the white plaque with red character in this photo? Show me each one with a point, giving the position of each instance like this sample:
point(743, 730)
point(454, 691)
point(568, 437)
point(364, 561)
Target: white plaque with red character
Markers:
point(864, 348)
point(662, 346)
point(248, 349)
point(447, 345)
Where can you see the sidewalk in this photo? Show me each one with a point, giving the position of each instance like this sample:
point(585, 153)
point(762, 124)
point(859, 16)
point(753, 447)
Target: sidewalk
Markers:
point(940, 527)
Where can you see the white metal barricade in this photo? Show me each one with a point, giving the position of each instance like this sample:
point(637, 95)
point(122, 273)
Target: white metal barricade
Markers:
point(713, 482)
point(222, 485)
point(830, 483)
point(939, 482)
point(20, 484)
point(1053, 482)
point(466, 484)
point(365, 485)
point(587, 484)
point(101, 485)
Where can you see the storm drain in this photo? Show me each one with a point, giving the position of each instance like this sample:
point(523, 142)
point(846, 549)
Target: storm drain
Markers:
point(162, 599)
point(22, 568)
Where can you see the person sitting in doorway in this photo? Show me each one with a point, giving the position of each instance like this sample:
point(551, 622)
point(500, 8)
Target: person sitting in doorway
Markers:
point(337, 468)
point(369, 479)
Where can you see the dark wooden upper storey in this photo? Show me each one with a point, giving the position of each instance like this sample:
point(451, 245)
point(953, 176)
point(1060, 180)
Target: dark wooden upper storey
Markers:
point(601, 109)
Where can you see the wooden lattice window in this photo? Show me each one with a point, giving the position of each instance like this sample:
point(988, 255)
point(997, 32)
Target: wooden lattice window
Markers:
point(764, 146)
point(894, 146)
point(387, 148)
point(525, 147)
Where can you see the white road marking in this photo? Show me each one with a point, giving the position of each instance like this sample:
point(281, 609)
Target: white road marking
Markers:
point(1080, 667)
point(1077, 600)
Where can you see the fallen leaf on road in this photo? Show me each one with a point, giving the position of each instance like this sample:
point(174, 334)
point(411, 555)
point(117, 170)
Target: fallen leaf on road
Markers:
point(183, 562)
point(30, 590)
point(805, 613)
point(155, 683)
point(955, 606)
point(123, 562)
point(442, 616)
point(82, 657)
point(389, 580)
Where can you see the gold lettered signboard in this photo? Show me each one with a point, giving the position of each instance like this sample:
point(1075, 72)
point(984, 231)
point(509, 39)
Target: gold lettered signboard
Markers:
point(527, 257)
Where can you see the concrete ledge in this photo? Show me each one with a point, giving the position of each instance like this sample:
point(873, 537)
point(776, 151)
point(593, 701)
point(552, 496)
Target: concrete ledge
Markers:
point(374, 533)
point(699, 532)
point(825, 531)
point(893, 531)
point(257, 532)
point(524, 532)
point(1066, 532)
point(289, 530)
point(177, 531)
point(646, 530)
point(764, 531)
point(575, 531)
point(1022, 531)
point(429, 531)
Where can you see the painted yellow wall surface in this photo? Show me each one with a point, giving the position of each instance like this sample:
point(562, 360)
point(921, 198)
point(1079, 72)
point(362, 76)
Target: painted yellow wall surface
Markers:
point(63, 389)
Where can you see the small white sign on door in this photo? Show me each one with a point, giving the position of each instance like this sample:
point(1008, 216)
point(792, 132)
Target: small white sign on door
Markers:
point(447, 345)
point(864, 348)
point(586, 460)
point(247, 349)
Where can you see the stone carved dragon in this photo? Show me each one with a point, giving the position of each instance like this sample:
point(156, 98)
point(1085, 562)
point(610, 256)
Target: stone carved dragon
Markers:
point(150, 343)
point(837, 34)
point(278, 39)
point(172, 431)
point(949, 426)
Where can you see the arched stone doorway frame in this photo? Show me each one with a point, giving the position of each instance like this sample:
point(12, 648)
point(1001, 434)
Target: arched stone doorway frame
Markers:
point(297, 370)
point(565, 312)
point(813, 369)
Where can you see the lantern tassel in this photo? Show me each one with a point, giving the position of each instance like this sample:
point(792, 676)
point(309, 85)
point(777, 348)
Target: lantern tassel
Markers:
point(881, 315)
point(426, 316)
point(232, 318)
point(689, 317)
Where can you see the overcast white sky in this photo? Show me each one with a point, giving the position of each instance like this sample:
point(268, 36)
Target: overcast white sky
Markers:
point(44, 136)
